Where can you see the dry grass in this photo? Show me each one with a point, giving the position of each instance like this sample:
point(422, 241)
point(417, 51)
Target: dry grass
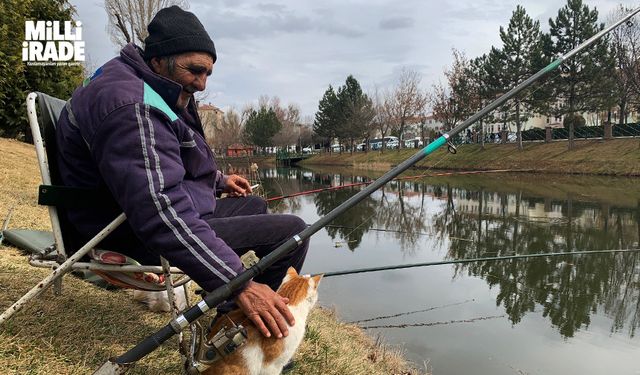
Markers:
point(76, 332)
point(331, 347)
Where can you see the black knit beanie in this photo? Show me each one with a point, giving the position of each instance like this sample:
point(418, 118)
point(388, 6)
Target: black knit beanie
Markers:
point(174, 31)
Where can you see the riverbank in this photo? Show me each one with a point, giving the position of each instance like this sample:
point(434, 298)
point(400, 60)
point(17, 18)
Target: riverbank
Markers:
point(617, 157)
point(76, 332)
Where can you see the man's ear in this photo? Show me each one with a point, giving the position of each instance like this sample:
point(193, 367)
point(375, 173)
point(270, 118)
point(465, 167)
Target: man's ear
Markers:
point(156, 64)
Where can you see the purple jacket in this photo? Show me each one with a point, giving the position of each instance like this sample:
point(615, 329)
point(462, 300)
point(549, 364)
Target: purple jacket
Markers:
point(121, 131)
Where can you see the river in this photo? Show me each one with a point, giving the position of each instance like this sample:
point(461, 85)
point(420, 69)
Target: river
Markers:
point(560, 315)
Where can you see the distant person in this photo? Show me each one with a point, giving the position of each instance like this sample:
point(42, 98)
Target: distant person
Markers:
point(133, 130)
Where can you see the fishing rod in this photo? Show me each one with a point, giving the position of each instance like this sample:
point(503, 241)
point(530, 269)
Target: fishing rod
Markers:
point(329, 188)
point(474, 260)
point(122, 363)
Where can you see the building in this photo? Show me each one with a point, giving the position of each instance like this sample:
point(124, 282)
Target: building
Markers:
point(211, 117)
point(237, 150)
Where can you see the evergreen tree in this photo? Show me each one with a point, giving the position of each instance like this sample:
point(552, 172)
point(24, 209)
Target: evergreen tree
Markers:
point(481, 88)
point(521, 44)
point(16, 78)
point(493, 82)
point(355, 112)
point(585, 83)
point(261, 126)
point(326, 119)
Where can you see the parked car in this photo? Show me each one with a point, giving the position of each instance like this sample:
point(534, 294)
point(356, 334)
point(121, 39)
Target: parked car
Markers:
point(307, 150)
point(393, 144)
point(360, 146)
point(411, 143)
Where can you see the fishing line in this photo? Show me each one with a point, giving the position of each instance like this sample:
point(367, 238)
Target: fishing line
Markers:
point(411, 312)
point(381, 230)
point(470, 320)
point(361, 224)
point(473, 260)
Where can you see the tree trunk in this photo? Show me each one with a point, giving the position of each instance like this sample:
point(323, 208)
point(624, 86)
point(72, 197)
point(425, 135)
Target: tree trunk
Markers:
point(518, 124)
point(481, 134)
point(571, 113)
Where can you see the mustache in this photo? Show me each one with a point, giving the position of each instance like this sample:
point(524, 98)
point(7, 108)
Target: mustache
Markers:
point(190, 89)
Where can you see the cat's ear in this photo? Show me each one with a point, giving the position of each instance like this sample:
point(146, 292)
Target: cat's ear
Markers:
point(291, 273)
point(316, 280)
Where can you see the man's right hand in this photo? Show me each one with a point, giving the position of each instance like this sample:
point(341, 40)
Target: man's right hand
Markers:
point(266, 309)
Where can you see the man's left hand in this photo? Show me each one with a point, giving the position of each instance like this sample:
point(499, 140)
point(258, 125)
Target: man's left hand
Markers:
point(237, 186)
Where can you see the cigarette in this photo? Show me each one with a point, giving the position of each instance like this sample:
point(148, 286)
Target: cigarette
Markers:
point(254, 186)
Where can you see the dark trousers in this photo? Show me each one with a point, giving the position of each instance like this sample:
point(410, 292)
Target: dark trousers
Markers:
point(243, 224)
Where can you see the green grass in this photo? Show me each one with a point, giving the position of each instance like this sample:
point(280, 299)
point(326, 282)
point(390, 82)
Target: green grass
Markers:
point(619, 157)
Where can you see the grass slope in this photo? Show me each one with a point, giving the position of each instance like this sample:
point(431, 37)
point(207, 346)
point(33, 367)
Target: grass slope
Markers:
point(619, 157)
point(76, 332)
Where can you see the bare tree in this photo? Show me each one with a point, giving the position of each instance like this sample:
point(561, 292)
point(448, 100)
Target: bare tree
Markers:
point(306, 134)
point(128, 19)
point(456, 101)
point(625, 46)
point(407, 102)
point(383, 116)
point(224, 131)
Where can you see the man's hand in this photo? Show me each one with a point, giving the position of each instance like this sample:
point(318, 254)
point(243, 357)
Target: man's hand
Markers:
point(266, 308)
point(237, 186)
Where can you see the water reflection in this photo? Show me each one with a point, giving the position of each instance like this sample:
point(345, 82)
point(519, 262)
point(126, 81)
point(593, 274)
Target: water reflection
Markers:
point(471, 221)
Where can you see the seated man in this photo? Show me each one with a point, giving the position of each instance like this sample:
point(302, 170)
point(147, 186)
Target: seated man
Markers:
point(132, 129)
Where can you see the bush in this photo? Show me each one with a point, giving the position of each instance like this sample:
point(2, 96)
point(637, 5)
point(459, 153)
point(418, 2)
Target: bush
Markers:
point(577, 120)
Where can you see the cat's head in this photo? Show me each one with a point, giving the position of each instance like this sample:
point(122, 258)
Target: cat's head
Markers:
point(299, 288)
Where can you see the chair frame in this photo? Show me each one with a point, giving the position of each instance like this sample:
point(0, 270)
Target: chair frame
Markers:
point(63, 264)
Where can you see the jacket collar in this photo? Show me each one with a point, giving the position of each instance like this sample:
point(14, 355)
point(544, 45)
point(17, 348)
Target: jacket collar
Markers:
point(169, 90)
point(166, 88)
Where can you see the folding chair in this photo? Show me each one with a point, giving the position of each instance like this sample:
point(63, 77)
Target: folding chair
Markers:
point(114, 267)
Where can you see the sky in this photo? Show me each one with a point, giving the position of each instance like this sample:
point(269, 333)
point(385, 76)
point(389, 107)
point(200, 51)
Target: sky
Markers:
point(296, 49)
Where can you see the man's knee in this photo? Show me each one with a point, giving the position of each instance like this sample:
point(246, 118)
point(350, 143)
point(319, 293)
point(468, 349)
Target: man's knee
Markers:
point(258, 205)
point(296, 224)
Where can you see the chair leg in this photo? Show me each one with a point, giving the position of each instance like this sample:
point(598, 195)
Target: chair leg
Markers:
point(33, 293)
point(185, 286)
point(61, 270)
point(57, 286)
point(168, 282)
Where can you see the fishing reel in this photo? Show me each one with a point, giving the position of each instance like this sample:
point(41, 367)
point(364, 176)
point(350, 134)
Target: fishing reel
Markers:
point(204, 352)
point(451, 147)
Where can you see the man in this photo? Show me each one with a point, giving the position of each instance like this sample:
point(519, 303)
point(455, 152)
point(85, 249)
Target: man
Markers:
point(133, 130)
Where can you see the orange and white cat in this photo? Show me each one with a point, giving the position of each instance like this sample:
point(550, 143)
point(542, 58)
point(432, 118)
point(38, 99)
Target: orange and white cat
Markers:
point(267, 355)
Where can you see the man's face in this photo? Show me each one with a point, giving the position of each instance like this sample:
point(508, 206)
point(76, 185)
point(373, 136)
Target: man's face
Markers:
point(190, 70)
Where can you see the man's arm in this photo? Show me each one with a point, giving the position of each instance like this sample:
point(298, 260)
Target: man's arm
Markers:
point(138, 153)
point(137, 150)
